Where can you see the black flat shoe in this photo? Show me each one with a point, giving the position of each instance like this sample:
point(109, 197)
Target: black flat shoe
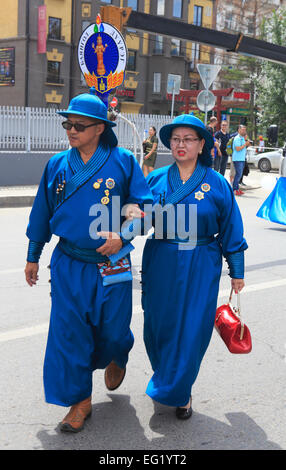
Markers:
point(184, 413)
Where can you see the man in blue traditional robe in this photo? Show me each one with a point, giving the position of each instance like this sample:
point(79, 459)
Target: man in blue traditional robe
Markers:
point(90, 321)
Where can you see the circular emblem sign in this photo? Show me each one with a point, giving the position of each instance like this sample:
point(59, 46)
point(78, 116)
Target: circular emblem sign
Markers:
point(102, 56)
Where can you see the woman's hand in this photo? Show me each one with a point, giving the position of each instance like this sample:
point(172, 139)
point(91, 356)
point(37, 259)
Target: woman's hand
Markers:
point(112, 245)
point(237, 285)
point(31, 273)
point(132, 211)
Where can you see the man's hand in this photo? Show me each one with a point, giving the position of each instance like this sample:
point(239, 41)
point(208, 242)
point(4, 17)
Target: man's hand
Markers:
point(112, 245)
point(31, 273)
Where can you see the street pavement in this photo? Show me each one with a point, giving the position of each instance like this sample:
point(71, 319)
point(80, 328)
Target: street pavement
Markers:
point(238, 400)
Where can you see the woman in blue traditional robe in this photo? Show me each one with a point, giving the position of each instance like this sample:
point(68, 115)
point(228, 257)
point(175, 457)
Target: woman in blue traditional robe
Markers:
point(274, 207)
point(80, 199)
point(181, 270)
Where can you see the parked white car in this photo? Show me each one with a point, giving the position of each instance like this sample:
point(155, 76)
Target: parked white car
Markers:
point(251, 154)
point(265, 161)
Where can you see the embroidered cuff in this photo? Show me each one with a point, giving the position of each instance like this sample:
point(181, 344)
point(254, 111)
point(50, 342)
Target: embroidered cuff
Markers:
point(34, 251)
point(235, 263)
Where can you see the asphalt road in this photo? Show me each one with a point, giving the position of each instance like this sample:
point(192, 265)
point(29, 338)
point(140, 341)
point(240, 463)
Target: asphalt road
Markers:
point(238, 401)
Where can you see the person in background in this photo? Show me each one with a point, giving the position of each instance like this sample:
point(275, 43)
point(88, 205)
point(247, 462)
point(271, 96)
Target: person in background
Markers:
point(261, 144)
point(150, 146)
point(229, 153)
point(239, 146)
point(222, 136)
point(215, 152)
point(273, 208)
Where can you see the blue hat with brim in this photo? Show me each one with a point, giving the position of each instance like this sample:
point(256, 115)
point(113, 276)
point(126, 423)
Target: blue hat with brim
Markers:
point(189, 120)
point(90, 105)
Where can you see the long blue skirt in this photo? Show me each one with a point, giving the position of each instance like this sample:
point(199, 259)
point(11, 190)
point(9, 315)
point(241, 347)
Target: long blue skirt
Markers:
point(89, 327)
point(274, 207)
point(179, 299)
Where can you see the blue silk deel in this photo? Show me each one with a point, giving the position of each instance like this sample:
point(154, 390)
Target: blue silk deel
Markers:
point(90, 321)
point(274, 207)
point(180, 286)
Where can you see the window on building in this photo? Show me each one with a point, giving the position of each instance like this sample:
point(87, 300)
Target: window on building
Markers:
point(195, 51)
point(157, 82)
point(158, 49)
point(175, 47)
point(131, 61)
point(55, 27)
point(161, 7)
point(106, 1)
point(177, 8)
point(198, 15)
point(132, 4)
point(53, 72)
point(250, 26)
point(228, 22)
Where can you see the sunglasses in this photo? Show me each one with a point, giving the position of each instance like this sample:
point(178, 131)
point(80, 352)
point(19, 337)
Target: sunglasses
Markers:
point(68, 125)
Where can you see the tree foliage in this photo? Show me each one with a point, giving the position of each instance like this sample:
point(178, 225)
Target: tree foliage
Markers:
point(272, 81)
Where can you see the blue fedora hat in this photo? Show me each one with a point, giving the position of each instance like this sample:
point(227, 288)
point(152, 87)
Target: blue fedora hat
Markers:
point(90, 105)
point(189, 120)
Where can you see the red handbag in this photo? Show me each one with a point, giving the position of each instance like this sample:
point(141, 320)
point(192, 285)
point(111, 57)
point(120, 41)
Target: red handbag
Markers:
point(230, 327)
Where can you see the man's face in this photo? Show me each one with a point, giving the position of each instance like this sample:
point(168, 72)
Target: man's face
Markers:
point(224, 126)
point(242, 131)
point(89, 136)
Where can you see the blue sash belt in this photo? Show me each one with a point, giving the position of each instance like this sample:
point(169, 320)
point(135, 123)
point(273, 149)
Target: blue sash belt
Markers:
point(198, 242)
point(92, 256)
point(81, 254)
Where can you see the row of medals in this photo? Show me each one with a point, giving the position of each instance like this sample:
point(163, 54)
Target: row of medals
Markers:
point(109, 183)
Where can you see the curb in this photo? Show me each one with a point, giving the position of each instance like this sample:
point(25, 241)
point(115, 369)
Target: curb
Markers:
point(16, 201)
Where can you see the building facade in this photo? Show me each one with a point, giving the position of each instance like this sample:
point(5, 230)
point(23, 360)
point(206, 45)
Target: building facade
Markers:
point(39, 67)
point(241, 16)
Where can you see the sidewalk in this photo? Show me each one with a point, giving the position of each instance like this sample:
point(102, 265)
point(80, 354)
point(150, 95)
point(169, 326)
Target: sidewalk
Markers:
point(17, 196)
point(23, 196)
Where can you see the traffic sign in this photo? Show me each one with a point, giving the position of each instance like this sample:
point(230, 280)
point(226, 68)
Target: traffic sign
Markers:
point(173, 84)
point(208, 73)
point(114, 102)
point(206, 100)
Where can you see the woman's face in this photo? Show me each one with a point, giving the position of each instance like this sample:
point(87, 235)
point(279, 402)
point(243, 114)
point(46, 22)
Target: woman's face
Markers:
point(185, 144)
point(151, 131)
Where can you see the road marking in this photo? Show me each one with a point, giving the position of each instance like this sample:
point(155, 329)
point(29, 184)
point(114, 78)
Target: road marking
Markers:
point(256, 287)
point(43, 328)
point(23, 332)
point(9, 271)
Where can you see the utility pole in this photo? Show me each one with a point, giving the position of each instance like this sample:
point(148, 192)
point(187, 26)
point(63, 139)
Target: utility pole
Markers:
point(27, 33)
point(72, 50)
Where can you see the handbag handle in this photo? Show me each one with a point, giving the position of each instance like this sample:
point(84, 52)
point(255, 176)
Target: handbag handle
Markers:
point(237, 310)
